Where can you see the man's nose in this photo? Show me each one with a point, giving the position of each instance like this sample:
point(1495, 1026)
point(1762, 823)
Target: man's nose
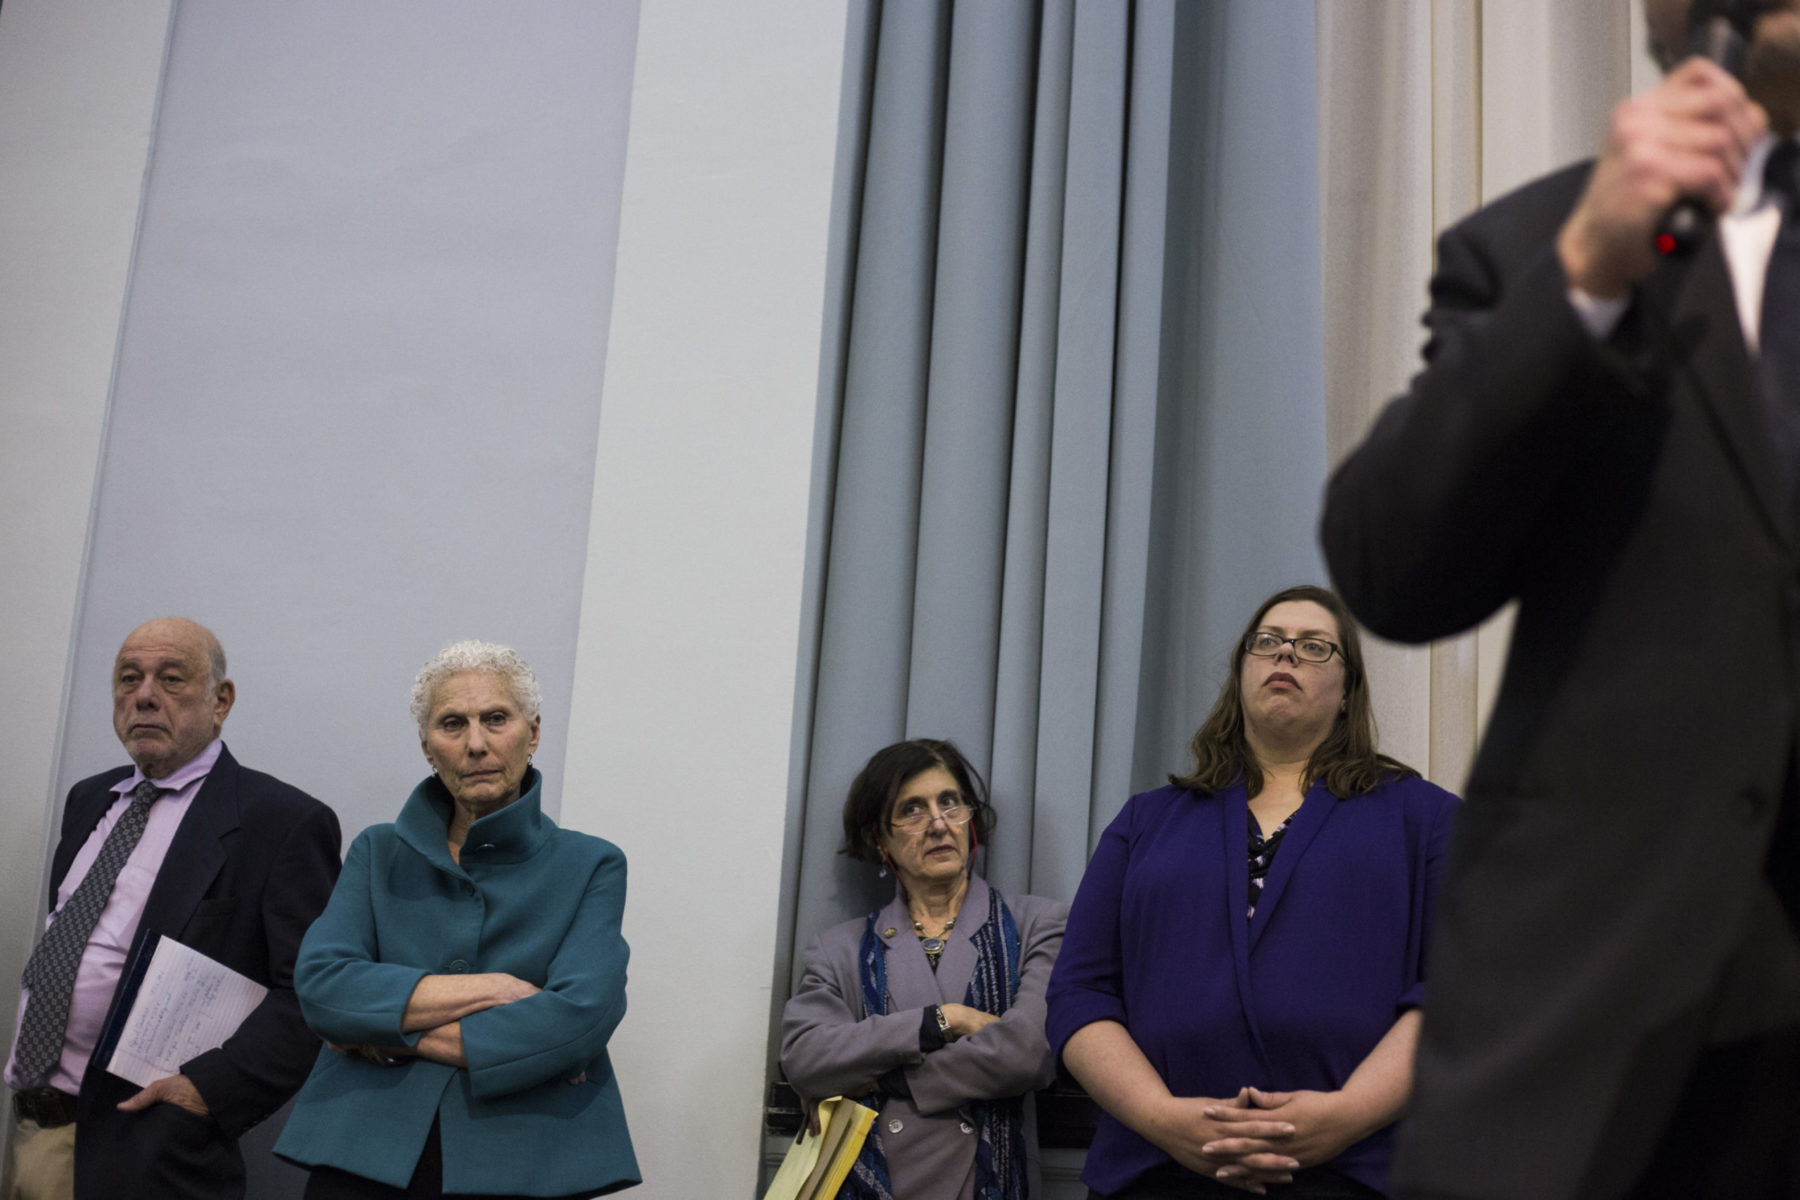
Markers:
point(144, 695)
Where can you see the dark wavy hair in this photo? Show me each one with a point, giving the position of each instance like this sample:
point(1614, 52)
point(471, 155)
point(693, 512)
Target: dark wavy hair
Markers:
point(878, 784)
point(1346, 760)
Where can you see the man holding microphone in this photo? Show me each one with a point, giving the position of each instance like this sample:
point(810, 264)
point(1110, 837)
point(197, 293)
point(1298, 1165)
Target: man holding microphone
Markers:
point(1612, 438)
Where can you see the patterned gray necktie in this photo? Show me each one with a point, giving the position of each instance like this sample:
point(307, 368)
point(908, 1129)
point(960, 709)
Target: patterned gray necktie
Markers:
point(50, 973)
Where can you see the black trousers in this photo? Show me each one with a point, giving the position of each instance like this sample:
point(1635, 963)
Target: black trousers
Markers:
point(1174, 1182)
point(427, 1183)
point(1736, 1132)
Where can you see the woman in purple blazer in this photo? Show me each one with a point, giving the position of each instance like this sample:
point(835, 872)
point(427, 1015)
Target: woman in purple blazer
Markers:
point(1240, 983)
point(930, 1010)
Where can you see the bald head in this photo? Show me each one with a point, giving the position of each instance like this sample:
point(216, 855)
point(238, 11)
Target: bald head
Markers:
point(180, 630)
point(170, 693)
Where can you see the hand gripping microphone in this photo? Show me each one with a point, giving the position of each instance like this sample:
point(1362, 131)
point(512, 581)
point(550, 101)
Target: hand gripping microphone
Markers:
point(1717, 30)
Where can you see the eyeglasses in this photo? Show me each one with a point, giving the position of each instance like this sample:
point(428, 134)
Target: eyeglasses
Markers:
point(915, 815)
point(1306, 649)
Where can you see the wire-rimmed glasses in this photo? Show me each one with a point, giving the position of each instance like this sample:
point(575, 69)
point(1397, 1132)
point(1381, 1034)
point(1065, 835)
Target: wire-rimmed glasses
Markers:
point(911, 816)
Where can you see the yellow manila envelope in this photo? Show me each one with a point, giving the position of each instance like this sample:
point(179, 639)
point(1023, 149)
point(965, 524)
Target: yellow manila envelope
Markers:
point(818, 1163)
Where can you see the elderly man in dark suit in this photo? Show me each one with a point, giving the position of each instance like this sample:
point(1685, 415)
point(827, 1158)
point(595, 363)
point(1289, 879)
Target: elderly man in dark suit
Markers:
point(187, 843)
point(1613, 440)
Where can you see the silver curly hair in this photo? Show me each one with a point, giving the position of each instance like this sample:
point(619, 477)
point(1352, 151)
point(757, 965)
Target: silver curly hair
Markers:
point(489, 657)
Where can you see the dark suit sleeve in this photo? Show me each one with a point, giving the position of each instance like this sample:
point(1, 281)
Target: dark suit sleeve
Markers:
point(261, 1065)
point(1431, 525)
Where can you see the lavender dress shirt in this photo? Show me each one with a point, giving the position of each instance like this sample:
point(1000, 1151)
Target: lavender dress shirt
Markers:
point(104, 959)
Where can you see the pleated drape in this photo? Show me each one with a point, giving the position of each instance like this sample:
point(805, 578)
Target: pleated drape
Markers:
point(1092, 338)
point(1065, 340)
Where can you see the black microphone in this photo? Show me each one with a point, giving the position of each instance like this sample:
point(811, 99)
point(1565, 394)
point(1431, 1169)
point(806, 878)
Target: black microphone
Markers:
point(1719, 32)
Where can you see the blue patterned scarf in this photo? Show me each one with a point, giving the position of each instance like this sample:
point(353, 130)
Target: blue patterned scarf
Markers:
point(1000, 1152)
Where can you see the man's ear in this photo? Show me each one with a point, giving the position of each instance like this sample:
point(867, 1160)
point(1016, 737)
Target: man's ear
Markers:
point(223, 699)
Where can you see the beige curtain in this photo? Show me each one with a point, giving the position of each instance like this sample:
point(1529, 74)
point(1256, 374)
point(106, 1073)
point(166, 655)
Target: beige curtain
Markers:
point(1427, 109)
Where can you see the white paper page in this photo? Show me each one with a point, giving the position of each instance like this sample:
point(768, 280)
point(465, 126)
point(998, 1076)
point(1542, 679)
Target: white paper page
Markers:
point(187, 1004)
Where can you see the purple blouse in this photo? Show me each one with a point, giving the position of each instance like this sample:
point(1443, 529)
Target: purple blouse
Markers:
point(1293, 998)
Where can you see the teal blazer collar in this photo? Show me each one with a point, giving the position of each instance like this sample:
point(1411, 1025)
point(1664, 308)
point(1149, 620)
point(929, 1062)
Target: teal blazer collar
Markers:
point(507, 835)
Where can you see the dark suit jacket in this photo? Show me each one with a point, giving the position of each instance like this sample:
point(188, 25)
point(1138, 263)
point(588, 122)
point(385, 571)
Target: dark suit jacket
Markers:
point(250, 867)
point(1608, 909)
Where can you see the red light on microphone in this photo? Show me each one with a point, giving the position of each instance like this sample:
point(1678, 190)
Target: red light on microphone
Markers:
point(1665, 243)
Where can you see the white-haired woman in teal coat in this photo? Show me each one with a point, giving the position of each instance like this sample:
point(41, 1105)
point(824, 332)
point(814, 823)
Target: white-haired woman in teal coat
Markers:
point(467, 974)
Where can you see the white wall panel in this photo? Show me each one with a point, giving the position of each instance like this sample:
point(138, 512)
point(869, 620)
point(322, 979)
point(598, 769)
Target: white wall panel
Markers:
point(358, 374)
point(78, 89)
point(684, 683)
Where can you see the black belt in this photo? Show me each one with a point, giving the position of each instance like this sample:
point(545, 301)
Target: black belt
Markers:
point(45, 1105)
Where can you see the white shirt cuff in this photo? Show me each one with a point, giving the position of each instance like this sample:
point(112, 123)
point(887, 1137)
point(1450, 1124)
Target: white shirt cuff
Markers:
point(1600, 317)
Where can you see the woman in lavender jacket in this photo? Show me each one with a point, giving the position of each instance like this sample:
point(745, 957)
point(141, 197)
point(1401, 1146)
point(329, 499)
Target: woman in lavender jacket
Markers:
point(931, 1009)
point(1245, 958)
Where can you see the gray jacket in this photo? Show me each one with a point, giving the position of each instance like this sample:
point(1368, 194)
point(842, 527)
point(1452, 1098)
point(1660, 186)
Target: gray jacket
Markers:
point(831, 1046)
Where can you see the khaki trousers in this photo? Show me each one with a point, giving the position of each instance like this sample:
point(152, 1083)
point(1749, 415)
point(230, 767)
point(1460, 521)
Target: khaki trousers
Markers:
point(43, 1162)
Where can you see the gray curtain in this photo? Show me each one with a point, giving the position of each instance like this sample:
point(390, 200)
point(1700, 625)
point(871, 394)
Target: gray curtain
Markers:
point(1071, 424)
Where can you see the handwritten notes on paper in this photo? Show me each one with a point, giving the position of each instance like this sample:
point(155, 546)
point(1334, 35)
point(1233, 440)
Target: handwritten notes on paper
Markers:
point(185, 1005)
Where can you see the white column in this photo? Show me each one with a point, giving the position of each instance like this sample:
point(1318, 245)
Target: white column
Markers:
point(78, 92)
point(1427, 111)
point(684, 677)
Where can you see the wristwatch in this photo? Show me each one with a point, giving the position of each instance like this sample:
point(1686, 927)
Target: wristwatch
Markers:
point(943, 1022)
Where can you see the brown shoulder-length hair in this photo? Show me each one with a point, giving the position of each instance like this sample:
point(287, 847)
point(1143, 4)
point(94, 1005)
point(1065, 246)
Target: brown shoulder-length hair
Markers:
point(1346, 760)
point(878, 784)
